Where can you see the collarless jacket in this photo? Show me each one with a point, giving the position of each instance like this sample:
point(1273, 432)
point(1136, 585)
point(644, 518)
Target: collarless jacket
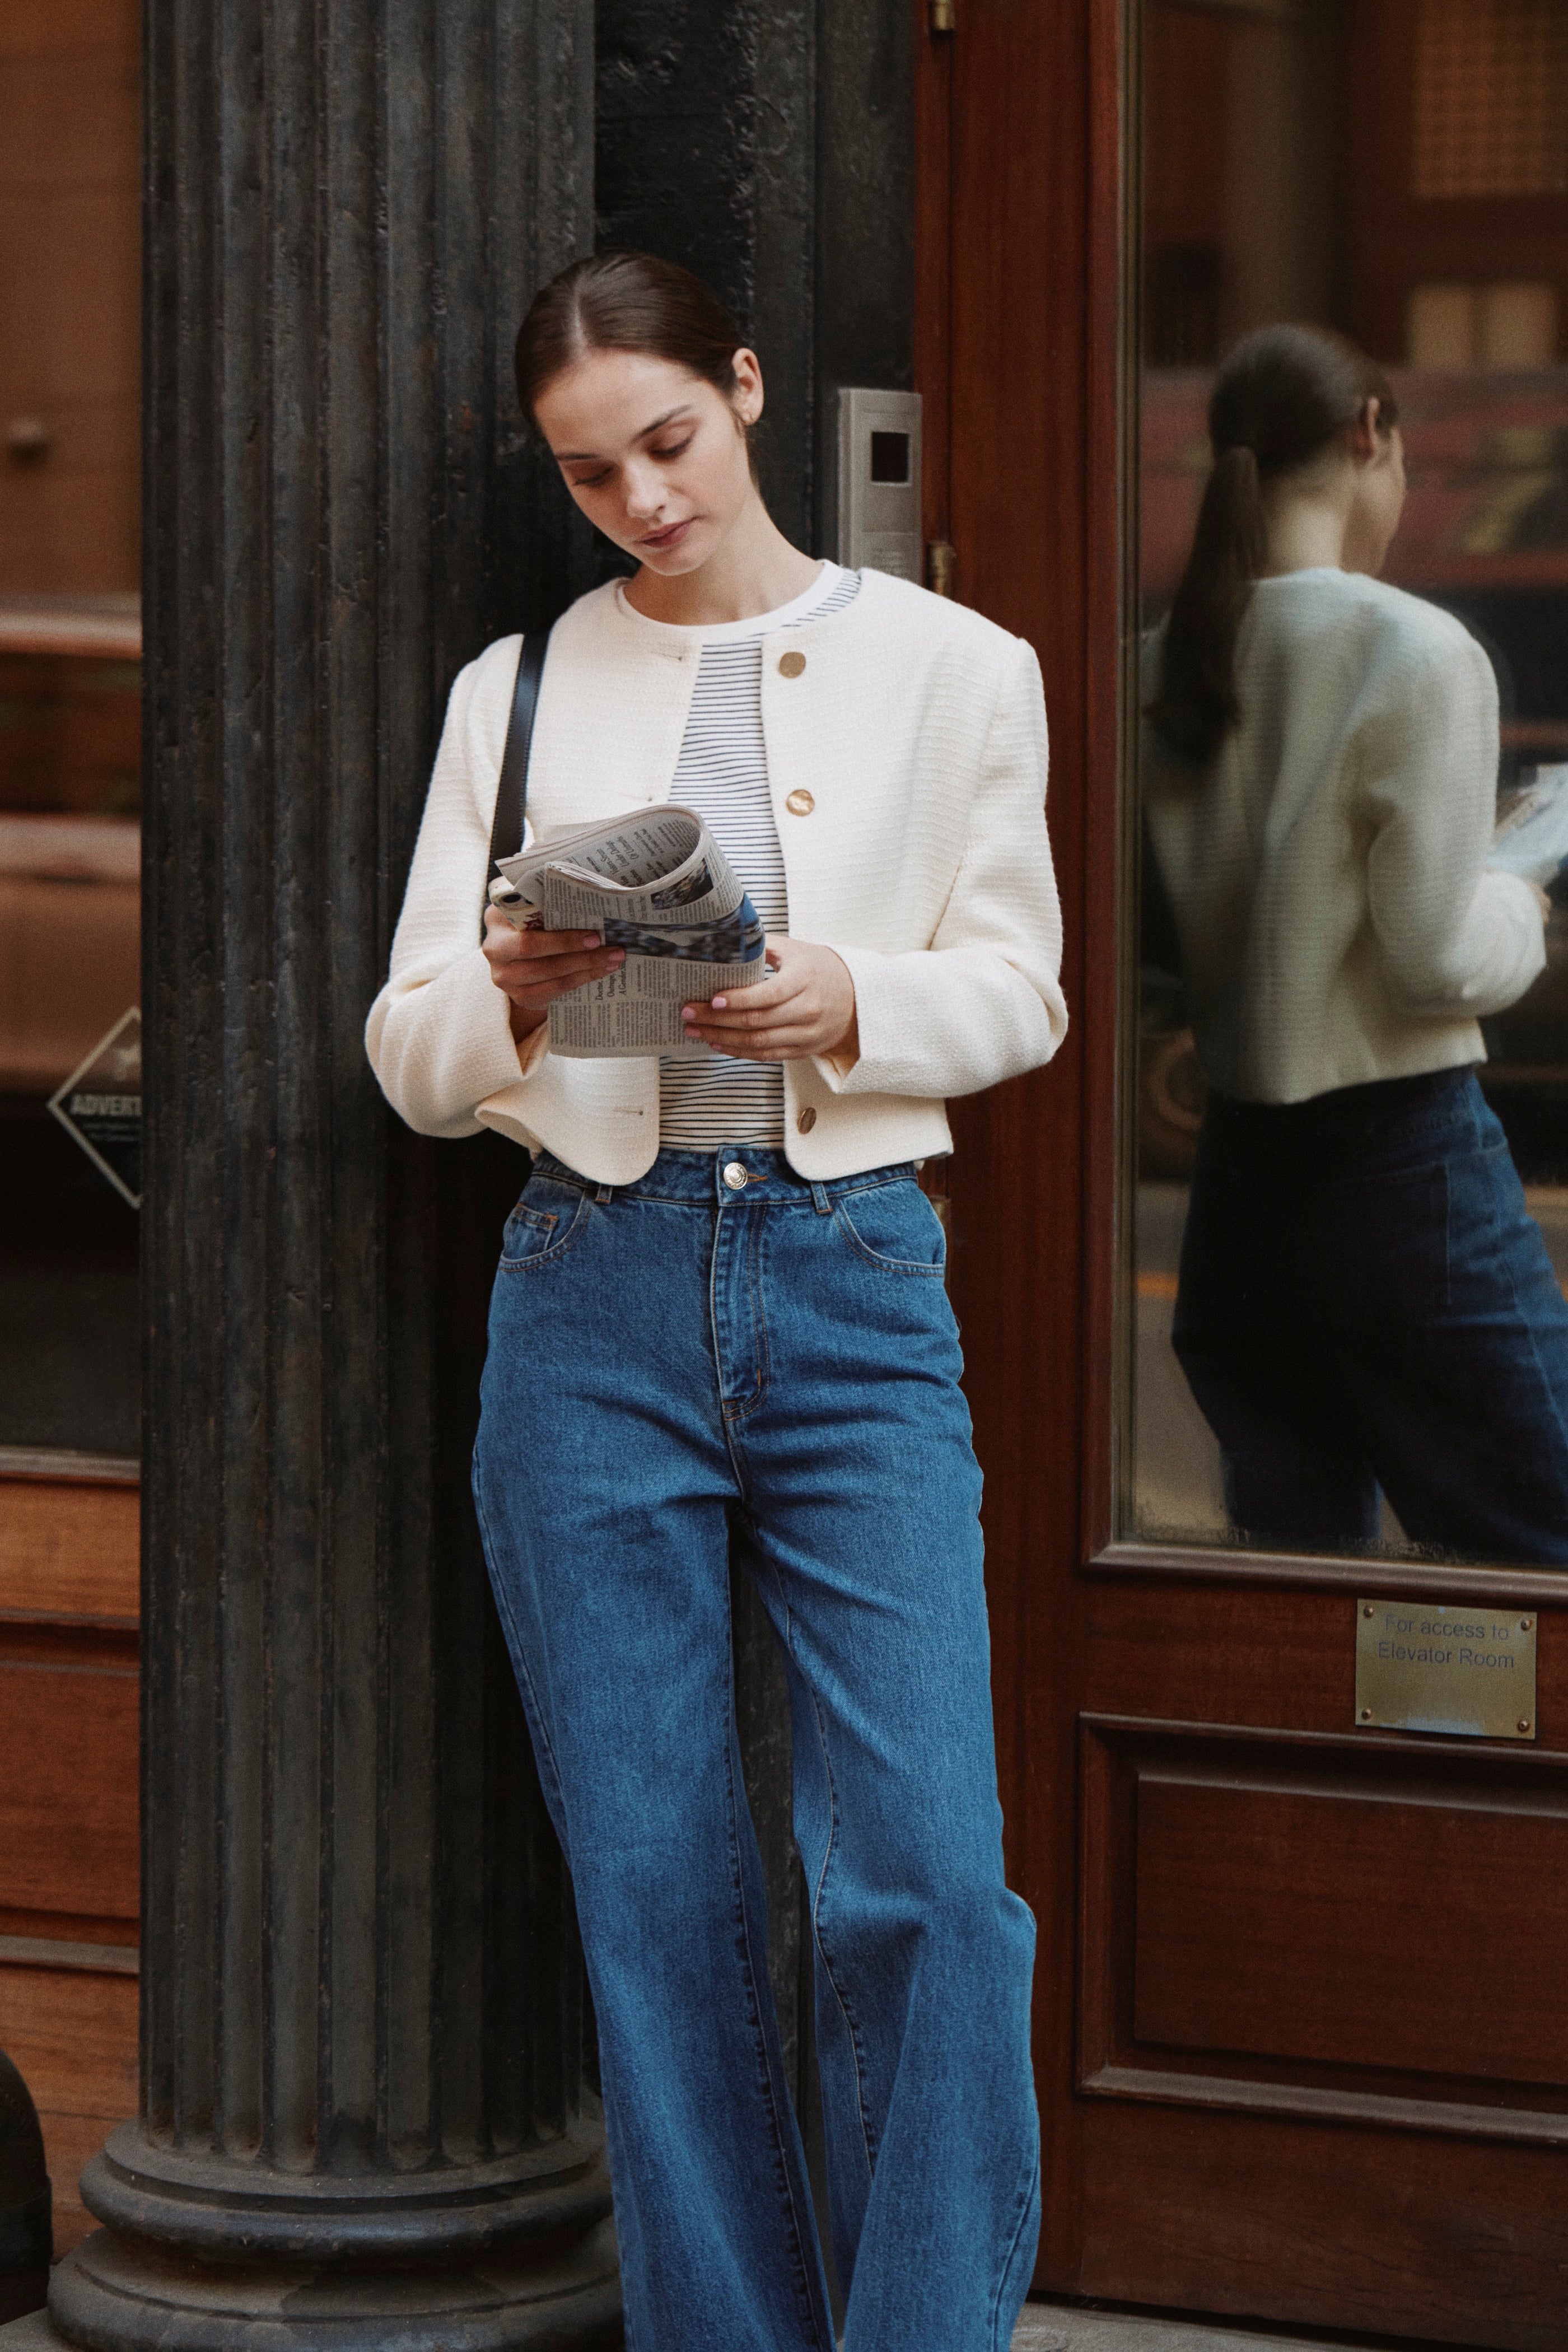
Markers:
point(913, 743)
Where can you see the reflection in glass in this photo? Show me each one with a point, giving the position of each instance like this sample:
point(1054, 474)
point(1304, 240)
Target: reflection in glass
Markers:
point(1366, 1342)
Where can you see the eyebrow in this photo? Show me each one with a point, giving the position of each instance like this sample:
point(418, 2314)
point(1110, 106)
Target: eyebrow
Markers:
point(591, 458)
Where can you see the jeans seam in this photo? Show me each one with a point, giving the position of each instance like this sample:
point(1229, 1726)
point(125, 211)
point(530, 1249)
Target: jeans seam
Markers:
point(750, 1976)
point(830, 1966)
point(503, 1605)
point(1027, 2199)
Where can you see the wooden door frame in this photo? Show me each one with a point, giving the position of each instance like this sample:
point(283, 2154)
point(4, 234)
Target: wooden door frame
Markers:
point(1020, 369)
point(1023, 345)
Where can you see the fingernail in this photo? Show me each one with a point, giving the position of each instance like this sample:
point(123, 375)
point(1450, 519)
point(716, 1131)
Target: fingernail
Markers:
point(720, 1005)
point(687, 1013)
point(617, 955)
point(591, 940)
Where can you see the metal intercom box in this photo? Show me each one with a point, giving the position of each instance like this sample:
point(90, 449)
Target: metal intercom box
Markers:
point(880, 481)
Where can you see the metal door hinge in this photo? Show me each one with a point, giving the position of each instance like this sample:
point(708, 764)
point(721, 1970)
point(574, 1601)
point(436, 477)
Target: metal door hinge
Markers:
point(944, 15)
point(941, 561)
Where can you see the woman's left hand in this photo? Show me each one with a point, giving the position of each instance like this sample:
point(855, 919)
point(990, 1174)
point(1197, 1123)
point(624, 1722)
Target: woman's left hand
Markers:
point(808, 1006)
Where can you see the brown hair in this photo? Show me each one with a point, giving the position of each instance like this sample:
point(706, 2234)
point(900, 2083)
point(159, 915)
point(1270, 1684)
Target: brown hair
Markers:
point(625, 303)
point(1279, 399)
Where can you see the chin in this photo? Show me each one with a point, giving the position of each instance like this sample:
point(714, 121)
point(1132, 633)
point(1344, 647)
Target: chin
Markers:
point(672, 563)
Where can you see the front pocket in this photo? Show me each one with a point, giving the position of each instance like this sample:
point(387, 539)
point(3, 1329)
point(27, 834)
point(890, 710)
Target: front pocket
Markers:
point(893, 1227)
point(543, 1225)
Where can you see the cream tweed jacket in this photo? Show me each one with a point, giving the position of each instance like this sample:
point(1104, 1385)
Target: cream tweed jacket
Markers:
point(917, 729)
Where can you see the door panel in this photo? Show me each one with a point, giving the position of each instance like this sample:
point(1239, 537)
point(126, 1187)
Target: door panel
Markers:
point(1298, 2045)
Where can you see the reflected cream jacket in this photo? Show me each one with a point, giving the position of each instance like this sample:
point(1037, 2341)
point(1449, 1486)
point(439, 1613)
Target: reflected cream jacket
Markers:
point(1337, 920)
point(919, 731)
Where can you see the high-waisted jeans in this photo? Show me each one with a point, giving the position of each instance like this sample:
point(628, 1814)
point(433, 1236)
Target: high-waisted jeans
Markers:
point(678, 1367)
point(1366, 1302)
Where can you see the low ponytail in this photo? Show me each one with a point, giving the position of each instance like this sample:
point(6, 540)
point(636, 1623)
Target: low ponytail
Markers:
point(1279, 399)
point(1196, 703)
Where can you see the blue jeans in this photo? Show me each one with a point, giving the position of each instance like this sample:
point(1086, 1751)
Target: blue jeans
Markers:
point(677, 1366)
point(1366, 1302)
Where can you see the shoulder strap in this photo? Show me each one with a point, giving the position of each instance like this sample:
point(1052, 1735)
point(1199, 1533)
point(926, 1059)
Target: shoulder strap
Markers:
point(511, 792)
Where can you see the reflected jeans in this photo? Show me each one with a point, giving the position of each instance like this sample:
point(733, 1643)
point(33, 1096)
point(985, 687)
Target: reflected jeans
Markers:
point(678, 1367)
point(1366, 1302)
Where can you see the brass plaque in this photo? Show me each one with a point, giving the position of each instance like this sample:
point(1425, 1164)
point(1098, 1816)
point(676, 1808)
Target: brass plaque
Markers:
point(1426, 1666)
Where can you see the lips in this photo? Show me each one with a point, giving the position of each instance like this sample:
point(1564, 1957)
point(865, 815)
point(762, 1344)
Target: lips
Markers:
point(660, 540)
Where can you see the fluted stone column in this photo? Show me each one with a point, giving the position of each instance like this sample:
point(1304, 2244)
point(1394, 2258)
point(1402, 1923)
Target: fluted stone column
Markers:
point(364, 2121)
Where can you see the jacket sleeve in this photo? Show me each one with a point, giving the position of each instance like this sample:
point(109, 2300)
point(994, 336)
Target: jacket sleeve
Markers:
point(983, 1002)
point(440, 1035)
point(1456, 936)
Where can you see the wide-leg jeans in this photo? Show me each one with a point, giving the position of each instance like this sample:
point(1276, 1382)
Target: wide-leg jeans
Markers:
point(678, 1367)
point(1366, 1303)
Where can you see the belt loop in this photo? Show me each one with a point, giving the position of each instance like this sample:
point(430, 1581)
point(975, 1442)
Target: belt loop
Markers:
point(606, 1192)
point(820, 1201)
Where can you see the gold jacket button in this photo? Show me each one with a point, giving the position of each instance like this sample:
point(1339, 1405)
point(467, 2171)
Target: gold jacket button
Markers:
point(807, 1121)
point(791, 665)
point(800, 804)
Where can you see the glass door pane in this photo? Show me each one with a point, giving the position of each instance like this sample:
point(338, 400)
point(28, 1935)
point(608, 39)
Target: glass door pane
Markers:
point(1348, 1330)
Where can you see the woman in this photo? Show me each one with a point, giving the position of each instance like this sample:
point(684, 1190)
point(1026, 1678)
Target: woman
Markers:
point(720, 1325)
point(1365, 1302)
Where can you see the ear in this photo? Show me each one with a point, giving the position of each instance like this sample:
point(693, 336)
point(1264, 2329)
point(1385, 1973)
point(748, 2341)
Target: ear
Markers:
point(1365, 442)
point(749, 397)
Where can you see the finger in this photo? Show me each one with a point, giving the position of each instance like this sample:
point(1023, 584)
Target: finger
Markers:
point(771, 1045)
point(767, 998)
point(563, 946)
point(539, 946)
point(533, 985)
point(739, 1027)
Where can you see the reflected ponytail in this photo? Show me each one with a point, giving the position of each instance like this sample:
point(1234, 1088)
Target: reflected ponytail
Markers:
point(1279, 399)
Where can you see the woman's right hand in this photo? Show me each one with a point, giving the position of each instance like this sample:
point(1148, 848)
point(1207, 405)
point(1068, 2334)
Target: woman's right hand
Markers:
point(534, 968)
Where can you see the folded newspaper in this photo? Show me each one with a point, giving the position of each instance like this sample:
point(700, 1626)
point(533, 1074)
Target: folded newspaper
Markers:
point(1532, 838)
point(657, 885)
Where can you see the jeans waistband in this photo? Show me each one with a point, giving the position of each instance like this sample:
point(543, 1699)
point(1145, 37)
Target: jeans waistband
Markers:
point(1345, 1111)
point(734, 1173)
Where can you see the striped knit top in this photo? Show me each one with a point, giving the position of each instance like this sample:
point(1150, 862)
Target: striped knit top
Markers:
point(709, 1099)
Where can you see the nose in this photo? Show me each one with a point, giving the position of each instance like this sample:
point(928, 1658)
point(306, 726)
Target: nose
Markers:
point(645, 492)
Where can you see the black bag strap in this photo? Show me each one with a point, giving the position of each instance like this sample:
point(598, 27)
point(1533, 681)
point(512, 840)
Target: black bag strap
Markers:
point(511, 792)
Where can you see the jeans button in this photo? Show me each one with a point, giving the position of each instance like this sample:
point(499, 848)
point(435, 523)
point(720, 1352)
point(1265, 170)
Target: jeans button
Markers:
point(736, 1177)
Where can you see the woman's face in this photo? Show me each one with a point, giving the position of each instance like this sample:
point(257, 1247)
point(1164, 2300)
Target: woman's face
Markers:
point(654, 456)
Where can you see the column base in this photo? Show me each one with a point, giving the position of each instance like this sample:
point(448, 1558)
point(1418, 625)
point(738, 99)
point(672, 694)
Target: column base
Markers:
point(206, 2253)
point(114, 2296)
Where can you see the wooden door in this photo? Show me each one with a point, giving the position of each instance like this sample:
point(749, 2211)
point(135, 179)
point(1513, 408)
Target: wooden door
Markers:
point(1301, 2050)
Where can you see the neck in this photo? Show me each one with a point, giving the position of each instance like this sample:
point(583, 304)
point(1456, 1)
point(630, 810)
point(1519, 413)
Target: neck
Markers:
point(754, 570)
point(1305, 534)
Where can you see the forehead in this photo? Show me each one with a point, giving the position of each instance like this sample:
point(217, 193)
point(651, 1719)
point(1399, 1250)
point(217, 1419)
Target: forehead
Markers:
point(607, 399)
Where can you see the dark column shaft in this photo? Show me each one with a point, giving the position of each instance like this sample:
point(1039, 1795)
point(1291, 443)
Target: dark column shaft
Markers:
point(362, 2024)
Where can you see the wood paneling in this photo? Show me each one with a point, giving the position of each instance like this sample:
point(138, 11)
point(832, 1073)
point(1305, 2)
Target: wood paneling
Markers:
point(1225, 1654)
point(73, 2033)
point(1296, 1923)
point(68, 1825)
point(70, 1551)
point(1452, 2243)
point(69, 339)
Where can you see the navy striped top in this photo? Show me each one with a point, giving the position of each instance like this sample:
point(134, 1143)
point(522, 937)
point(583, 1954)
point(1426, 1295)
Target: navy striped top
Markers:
point(709, 1099)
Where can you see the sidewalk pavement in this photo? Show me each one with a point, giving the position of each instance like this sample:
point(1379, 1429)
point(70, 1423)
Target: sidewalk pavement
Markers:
point(1056, 2328)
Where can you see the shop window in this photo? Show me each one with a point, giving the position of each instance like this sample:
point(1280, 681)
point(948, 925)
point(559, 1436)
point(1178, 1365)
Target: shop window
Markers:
point(1490, 98)
point(1500, 326)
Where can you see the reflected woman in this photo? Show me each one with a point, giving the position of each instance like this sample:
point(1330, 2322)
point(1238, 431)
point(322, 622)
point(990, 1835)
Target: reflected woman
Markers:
point(1364, 1301)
